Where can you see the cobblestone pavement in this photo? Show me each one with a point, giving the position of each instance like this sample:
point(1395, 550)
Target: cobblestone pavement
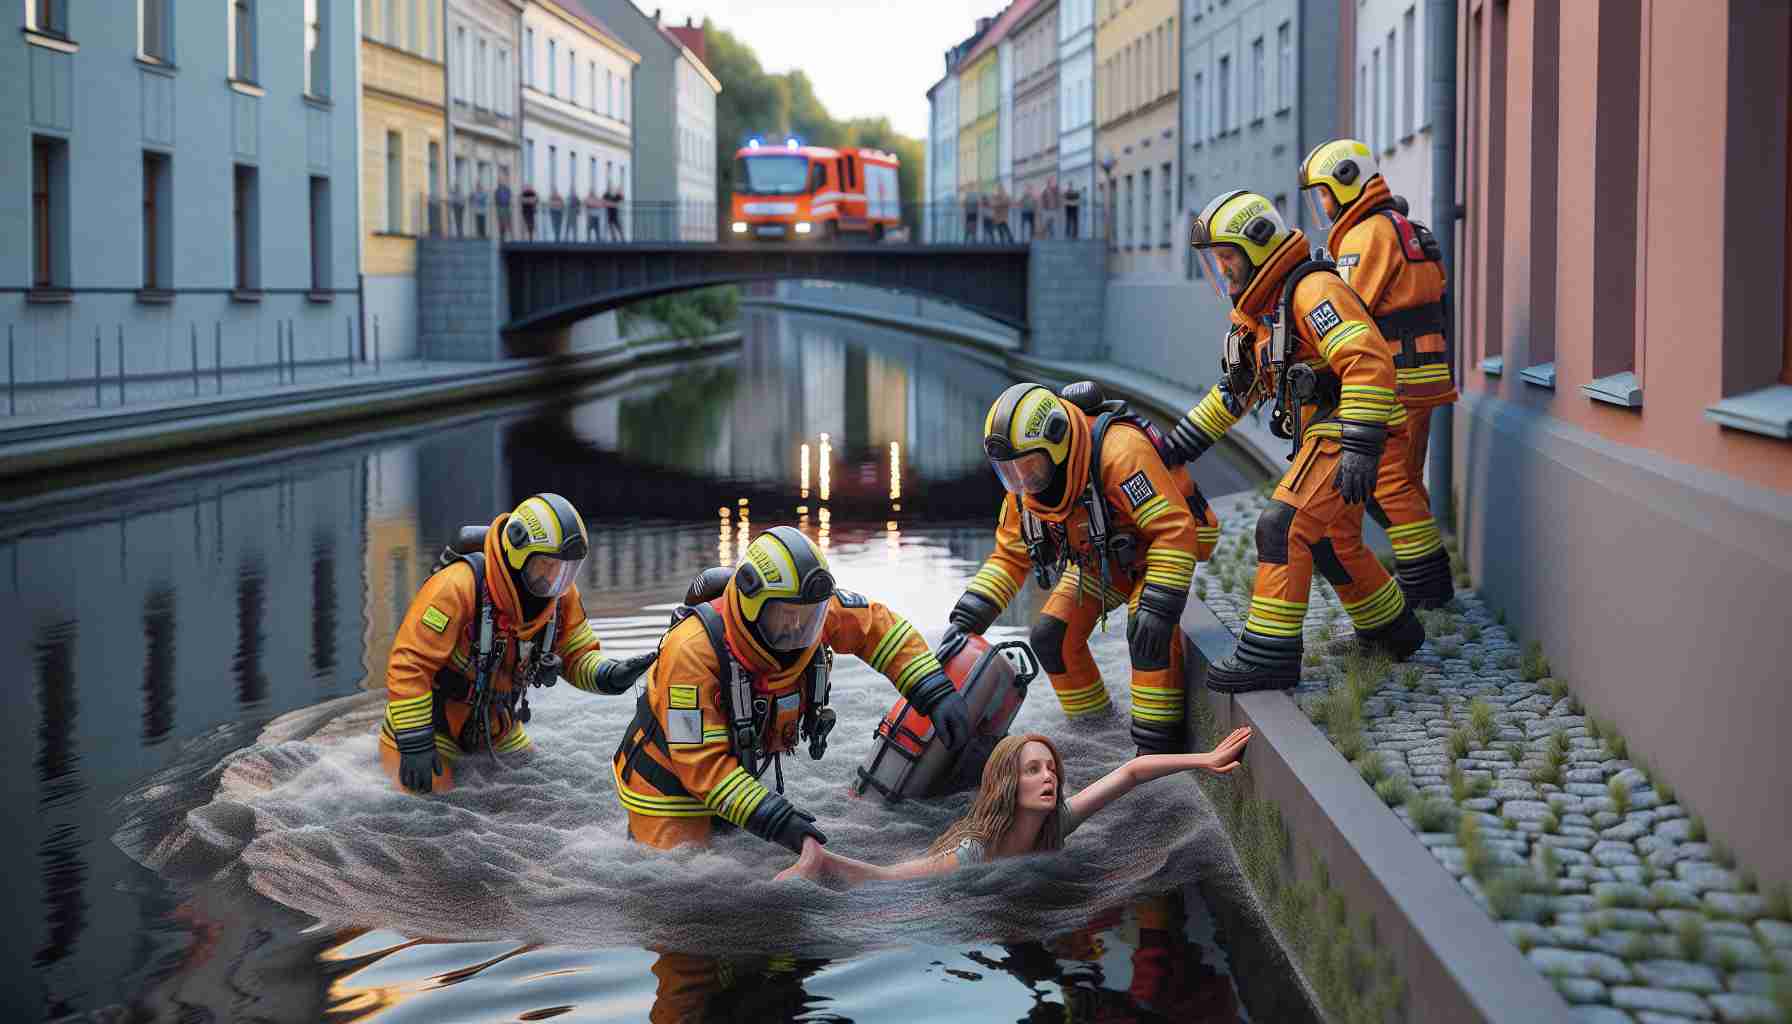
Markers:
point(1610, 887)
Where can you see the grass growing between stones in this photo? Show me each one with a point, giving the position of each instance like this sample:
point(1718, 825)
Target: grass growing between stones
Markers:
point(1557, 686)
point(1779, 902)
point(1393, 790)
point(1480, 720)
point(1534, 665)
point(1689, 938)
point(1620, 795)
point(1430, 814)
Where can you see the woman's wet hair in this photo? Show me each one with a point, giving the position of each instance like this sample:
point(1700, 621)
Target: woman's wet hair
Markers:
point(992, 814)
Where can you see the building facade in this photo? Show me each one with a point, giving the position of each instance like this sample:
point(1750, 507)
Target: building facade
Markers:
point(576, 75)
point(1005, 112)
point(171, 173)
point(979, 107)
point(1390, 108)
point(943, 220)
point(1076, 100)
point(1036, 104)
point(671, 191)
point(1135, 102)
point(485, 125)
point(404, 164)
point(1621, 454)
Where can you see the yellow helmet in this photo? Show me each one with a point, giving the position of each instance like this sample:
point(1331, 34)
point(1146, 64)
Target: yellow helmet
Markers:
point(1342, 167)
point(782, 587)
point(544, 544)
point(1027, 437)
point(1244, 220)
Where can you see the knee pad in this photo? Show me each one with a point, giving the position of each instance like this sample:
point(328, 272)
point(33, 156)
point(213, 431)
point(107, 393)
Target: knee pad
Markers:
point(1272, 533)
point(1325, 559)
point(1047, 639)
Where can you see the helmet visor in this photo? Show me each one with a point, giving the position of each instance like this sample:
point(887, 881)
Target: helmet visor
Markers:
point(1312, 196)
point(1215, 272)
point(790, 626)
point(1028, 474)
point(546, 576)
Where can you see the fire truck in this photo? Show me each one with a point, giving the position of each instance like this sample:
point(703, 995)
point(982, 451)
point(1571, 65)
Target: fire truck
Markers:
point(798, 193)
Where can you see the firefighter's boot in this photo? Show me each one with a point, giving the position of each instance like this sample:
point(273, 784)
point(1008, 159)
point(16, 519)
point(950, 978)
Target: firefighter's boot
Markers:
point(1259, 663)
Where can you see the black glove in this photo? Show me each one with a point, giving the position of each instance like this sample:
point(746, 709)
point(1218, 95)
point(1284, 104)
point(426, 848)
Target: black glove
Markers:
point(616, 675)
point(418, 762)
point(944, 706)
point(1150, 629)
point(1158, 737)
point(777, 820)
point(1361, 462)
point(971, 615)
point(1187, 442)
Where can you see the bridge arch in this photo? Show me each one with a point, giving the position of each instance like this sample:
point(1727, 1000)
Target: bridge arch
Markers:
point(552, 285)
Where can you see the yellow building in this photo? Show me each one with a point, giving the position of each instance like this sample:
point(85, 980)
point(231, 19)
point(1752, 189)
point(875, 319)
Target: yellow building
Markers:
point(979, 107)
point(402, 128)
point(1136, 48)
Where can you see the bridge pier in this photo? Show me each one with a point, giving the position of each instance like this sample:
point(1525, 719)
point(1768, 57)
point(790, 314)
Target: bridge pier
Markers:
point(1067, 285)
point(461, 300)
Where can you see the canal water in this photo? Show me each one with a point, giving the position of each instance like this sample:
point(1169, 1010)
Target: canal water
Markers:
point(200, 830)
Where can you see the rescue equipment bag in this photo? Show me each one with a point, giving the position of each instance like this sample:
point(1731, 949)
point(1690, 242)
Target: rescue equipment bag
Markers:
point(908, 759)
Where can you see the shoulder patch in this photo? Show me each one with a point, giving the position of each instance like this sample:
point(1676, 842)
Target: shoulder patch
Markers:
point(1323, 318)
point(851, 598)
point(435, 618)
point(681, 697)
point(1138, 489)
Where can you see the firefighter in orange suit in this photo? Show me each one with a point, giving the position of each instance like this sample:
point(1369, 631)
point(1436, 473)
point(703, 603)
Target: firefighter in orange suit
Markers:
point(736, 680)
point(1397, 268)
point(484, 626)
point(1125, 531)
point(1301, 338)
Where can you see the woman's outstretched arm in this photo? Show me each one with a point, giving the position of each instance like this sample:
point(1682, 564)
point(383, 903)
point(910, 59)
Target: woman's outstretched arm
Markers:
point(817, 864)
point(1120, 781)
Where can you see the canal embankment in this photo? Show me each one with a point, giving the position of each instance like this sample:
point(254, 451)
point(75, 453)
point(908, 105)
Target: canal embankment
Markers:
point(55, 442)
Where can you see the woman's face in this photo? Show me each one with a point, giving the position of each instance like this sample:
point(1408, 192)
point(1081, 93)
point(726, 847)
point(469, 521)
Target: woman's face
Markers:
point(1038, 778)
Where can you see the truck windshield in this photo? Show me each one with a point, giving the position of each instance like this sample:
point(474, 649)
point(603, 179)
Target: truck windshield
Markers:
point(779, 175)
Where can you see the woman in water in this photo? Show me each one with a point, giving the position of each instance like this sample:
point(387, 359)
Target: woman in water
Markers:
point(1020, 809)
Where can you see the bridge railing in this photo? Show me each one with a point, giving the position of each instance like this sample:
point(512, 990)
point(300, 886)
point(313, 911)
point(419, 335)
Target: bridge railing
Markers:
point(602, 220)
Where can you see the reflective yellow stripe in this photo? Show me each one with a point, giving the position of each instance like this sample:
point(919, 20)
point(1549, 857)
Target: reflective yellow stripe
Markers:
point(1342, 334)
point(1271, 616)
point(736, 797)
point(584, 672)
point(923, 665)
point(995, 584)
point(1170, 556)
point(1157, 704)
point(889, 645)
point(1146, 513)
point(1083, 700)
point(1424, 374)
point(1379, 608)
point(514, 740)
point(410, 712)
point(1416, 539)
point(1211, 417)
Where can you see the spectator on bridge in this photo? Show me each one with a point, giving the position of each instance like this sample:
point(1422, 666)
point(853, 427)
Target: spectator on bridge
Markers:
point(501, 200)
point(970, 216)
point(556, 211)
point(479, 201)
point(1049, 203)
point(529, 201)
point(1072, 197)
point(572, 214)
point(457, 205)
point(1000, 207)
point(1027, 203)
point(615, 214)
point(594, 205)
point(985, 213)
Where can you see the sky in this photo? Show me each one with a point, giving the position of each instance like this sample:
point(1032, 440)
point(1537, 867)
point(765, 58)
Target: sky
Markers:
point(866, 57)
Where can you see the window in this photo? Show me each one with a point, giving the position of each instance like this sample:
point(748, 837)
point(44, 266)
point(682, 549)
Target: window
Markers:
point(1387, 92)
point(1284, 66)
point(49, 212)
point(1258, 79)
point(572, 173)
point(320, 234)
point(1409, 90)
point(389, 25)
point(609, 93)
point(152, 22)
point(591, 83)
point(1374, 137)
point(529, 57)
point(1225, 98)
point(414, 22)
point(1144, 225)
point(242, 36)
point(435, 169)
point(501, 102)
point(157, 251)
point(1126, 221)
point(591, 178)
point(528, 161)
point(481, 80)
point(317, 64)
point(1163, 205)
point(460, 64)
point(553, 168)
point(429, 35)
point(625, 107)
point(246, 220)
point(572, 76)
point(394, 183)
point(553, 66)
point(49, 16)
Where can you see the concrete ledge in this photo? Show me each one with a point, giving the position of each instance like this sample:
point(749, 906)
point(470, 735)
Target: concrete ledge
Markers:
point(99, 437)
point(1456, 963)
point(992, 340)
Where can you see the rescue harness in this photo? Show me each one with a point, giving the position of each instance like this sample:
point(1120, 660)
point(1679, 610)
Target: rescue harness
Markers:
point(749, 716)
point(536, 664)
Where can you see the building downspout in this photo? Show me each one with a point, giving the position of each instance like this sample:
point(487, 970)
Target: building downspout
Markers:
point(1440, 18)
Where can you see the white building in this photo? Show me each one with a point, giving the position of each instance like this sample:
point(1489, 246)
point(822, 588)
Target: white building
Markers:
point(484, 115)
point(576, 133)
point(1005, 120)
point(942, 223)
point(1391, 108)
point(695, 116)
point(1076, 101)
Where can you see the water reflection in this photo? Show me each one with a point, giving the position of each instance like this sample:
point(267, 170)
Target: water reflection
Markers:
point(241, 592)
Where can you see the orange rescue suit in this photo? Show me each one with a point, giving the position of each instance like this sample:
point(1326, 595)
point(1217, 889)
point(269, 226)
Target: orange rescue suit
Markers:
point(434, 649)
point(684, 694)
point(1174, 528)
